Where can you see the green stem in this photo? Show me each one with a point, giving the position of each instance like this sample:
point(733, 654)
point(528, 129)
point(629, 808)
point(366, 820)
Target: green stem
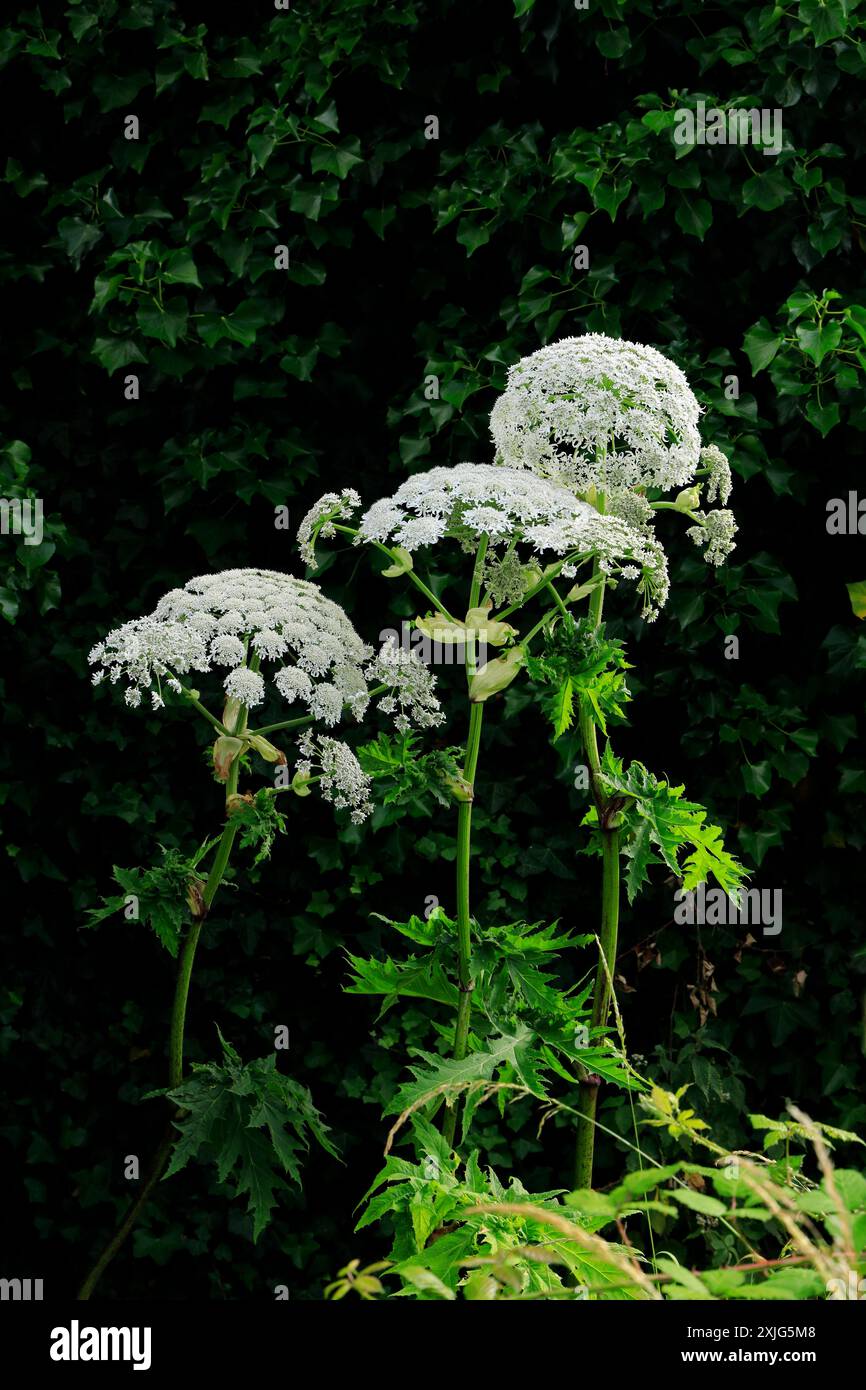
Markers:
point(410, 574)
point(608, 822)
point(175, 1046)
point(464, 851)
point(589, 1085)
point(187, 958)
point(202, 709)
point(304, 719)
point(464, 920)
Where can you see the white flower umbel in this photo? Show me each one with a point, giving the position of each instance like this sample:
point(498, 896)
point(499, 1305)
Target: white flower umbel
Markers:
point(509, 504)
point(716, 531)
point(410, 698)
point(319, 521)
point(341, 779)
point(231, 619)
point(598, 412)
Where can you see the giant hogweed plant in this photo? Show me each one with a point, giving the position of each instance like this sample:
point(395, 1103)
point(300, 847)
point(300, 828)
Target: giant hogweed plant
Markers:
point(257, 636)
point(589, 436)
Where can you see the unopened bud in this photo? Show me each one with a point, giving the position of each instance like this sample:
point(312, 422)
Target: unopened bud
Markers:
point(195, 899)
point(300, 785)
point(460, 789)
point(267, 750)
point(688, 500)
point(403, 563)
point(496, 675)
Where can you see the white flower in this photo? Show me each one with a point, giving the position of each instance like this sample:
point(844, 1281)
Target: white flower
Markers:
point(213, 621)
point(319, 520)
point(293, 684)
point(719, 482)
point(326, 703)
point(511, 504)
point(269, 642)
point(598, 411)
point(411, 685)
point(227, 650)
point(716, 531)
point(245, 685)
point(341, 778)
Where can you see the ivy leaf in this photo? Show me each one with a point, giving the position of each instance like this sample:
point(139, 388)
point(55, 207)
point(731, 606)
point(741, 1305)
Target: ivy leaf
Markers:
point(816, 340)
point(694, 215)
point(761, 344)
point(166, 323)
point(179, 268)
point(857, 596)
point(117, 352)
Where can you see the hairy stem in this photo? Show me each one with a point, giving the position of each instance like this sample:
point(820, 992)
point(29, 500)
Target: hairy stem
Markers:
point(175, 1046)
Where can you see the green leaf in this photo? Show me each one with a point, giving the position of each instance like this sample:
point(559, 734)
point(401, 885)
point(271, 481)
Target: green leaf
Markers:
point(166, 323)
point(563, 708)
point(816, 340)
point(78, 237)
point(251, 1122)
point(117, 352)
point(179, 267)
point(761, 344)
point(658, 819)
point(694, 215)
point(857, 596)
point(697, 1201)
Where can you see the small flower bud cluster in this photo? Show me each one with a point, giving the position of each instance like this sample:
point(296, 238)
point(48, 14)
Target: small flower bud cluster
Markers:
point(319, 521)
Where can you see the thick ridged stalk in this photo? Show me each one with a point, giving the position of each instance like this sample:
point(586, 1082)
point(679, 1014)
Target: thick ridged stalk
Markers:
point(609, 928)
point(464, 852)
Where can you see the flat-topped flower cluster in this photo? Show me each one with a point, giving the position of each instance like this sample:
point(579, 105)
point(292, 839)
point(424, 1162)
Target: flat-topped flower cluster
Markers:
point(237, 620)
point(508, 505)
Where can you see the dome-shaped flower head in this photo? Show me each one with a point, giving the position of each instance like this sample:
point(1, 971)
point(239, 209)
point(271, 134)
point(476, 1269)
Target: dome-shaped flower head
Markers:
point(253, 627)
point(469, 500)
point(258, 629)
point(598, 412)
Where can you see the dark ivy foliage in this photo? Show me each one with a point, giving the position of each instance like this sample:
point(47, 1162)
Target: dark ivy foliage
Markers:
point(261, 388)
